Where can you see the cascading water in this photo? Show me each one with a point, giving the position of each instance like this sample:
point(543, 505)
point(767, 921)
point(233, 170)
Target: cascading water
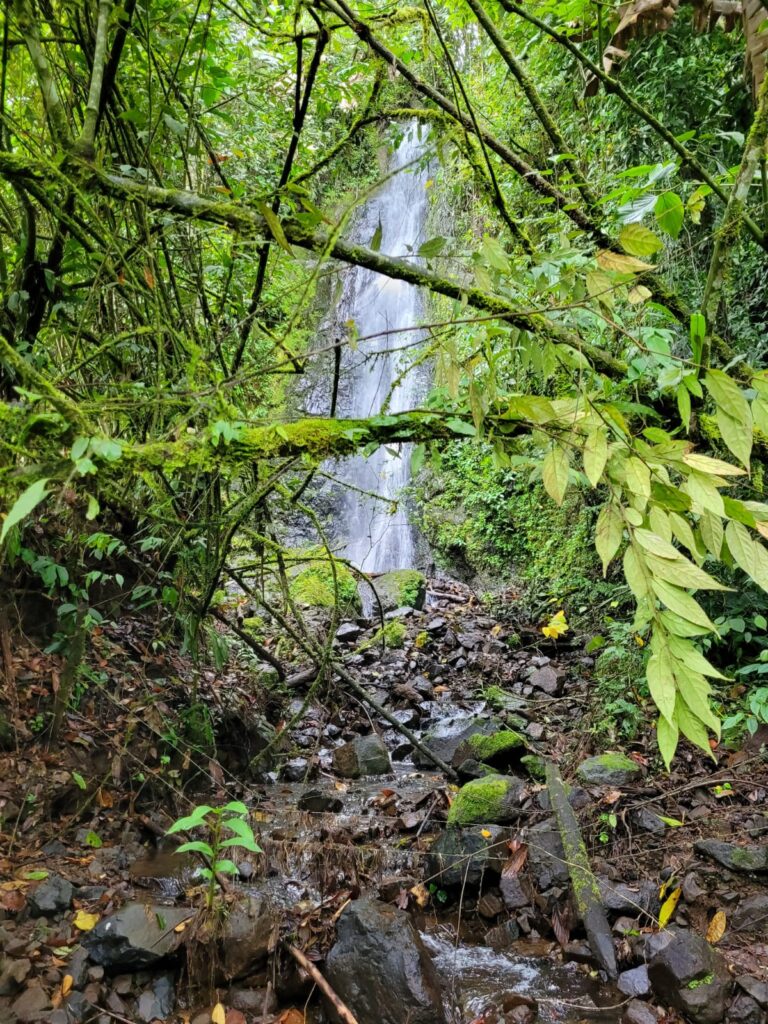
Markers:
point(371, 526)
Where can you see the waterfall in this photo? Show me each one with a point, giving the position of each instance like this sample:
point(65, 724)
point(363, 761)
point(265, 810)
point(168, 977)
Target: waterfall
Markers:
point(371, 526)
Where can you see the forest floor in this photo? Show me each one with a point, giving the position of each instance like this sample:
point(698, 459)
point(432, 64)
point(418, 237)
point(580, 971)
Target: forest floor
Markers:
point(84, 821)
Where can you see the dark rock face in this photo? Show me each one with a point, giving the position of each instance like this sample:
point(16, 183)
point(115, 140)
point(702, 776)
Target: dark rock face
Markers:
point(751, 915)
point(736, 858)
point(51, 897)
point(319, 800)
point(380, 968)
point(364, 755)
point(247, 937)
point(138, 935)
point(686, 973)
point(461, 857)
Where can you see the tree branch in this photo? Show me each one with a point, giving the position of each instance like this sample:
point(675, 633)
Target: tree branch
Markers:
point(84, 146)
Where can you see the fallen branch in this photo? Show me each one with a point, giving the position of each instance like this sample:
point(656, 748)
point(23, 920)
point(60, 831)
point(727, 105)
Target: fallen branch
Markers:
point(341, 1008)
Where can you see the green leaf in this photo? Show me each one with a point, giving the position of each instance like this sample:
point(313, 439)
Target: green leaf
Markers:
point(79, 780)
point(667, 736)
point(697, 333)
point(681, 604)
point(432, 247)
point(661, 682)
point(234, 807)
point(225, 867)
point(634, 573)
point(197, 817)
point(275, 226)
point(684, 405)
point(638, 477)
point(595, 455)
point(26, 503)
point(748, 553)
point(608, 534)
point(760, 414)
point(554, 473)
point(669, 212)
point(93, 508)
point(678, 626)
point(682, 573)
point(737, 434)
point(196, 846)
point(376, 240)
point(458, 426)
point(639, 241)
point(692, 658)
point(94, 841)
point(692, 727)
point(247, 843)
point(656, 545)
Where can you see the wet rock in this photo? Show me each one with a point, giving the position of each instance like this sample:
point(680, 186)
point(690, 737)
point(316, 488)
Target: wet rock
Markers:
point(436, 625)
point(464, 857)
point(635, 982)
point(31, 1004)
point(622, 898)
point(138, 935)
point(401, 588)
point(736, 858)
point(494, 799)
point(645, 819)
point(490, 905)
point(320, 801)
point(546, 856)
point(512, 892)
point(502, 936)
point(252, 1000)
point(501, 750)
point(53, 896)
point(380, 967)
point(364, 755)
point(609, 770)
point(546, 679)
point(639, 1013)
point(688, 974)
point(295, 770)
point(745, 1010)
point(157, 1002)
point(444, 738)
point(751, 915)
point(348, 631)
point(578, 951)
point(247, 937)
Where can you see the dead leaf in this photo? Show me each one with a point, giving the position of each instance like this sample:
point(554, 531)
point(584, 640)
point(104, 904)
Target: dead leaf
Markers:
point(291, 1016)
point(716, 928)
point(218, 1014)
point(515, 863)
point(149, 277)
point(420, 894)
point(66, 983)
point(104, 798)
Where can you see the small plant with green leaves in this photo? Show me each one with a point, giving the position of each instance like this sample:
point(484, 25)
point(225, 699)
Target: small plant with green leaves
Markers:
point(232, 817)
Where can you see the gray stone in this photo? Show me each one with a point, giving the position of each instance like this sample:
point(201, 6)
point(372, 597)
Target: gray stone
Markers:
point(688, 974)
point(638, 899)
point(745, 1010)
point(157, 1002)
point(444, 738)
point(13, 975)
point(692, 891)
point(77, 967)
point(31, 1004)
point(609, 770)
point(463, 857)
point(755, 988)
point(512, 892)
point(138, 935)
point(79, 1008)
point(380, 967)
point(364, 755)
point(751, 915)
point(53, 896)
point(639, 1013)
point(247, 937)
point(546, 679)
point(348, 631)
point(296, 769)
point(635, 982)
point(645, 819)
point(320, 801)
point(546, 857)
point(736, 858)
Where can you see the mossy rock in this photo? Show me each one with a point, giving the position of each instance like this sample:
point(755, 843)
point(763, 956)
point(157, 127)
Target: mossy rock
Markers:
point(609, 770)
point(402, 588)
point(535, 766)
point(501, 750)
point(493, 800)
point(446, 736)
point(392, 635)
point(314, 588)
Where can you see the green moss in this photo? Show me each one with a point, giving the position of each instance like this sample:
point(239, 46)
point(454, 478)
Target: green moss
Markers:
point(255, 626)
point(392, 635)
point(479, 801)
point(535, 766)
point(422, 639)
point(314, 587)
point(401, 588)
point(484, 748)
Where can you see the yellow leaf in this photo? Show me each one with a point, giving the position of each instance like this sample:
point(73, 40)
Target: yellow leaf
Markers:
point(486, 834)
point(556, 626)
point(420, 894)
point(85, 921)
point(66, 983)
point(669, 906)
point(716, 928)
point(181, 926)
point(218, 1014)
point(620, 263)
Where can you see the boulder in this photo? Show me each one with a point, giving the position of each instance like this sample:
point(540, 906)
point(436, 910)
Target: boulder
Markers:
point(492, 800)
point(403, 588)
point(380, 967)
point(138, 935)
point(609, 770)
point(444, 738)
point(734, 857)
point(463, 857)
point(247, 937)
point(688, 974)
point(53, 896)
point(501, 750)
point(364, 755)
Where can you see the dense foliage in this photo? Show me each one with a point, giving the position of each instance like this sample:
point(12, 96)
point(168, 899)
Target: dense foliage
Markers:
point(177, 184)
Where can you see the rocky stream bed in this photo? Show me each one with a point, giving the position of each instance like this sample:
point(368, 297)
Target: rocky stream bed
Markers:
point(421, 899)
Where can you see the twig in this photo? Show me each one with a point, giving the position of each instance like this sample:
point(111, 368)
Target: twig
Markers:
point(341, 1009)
